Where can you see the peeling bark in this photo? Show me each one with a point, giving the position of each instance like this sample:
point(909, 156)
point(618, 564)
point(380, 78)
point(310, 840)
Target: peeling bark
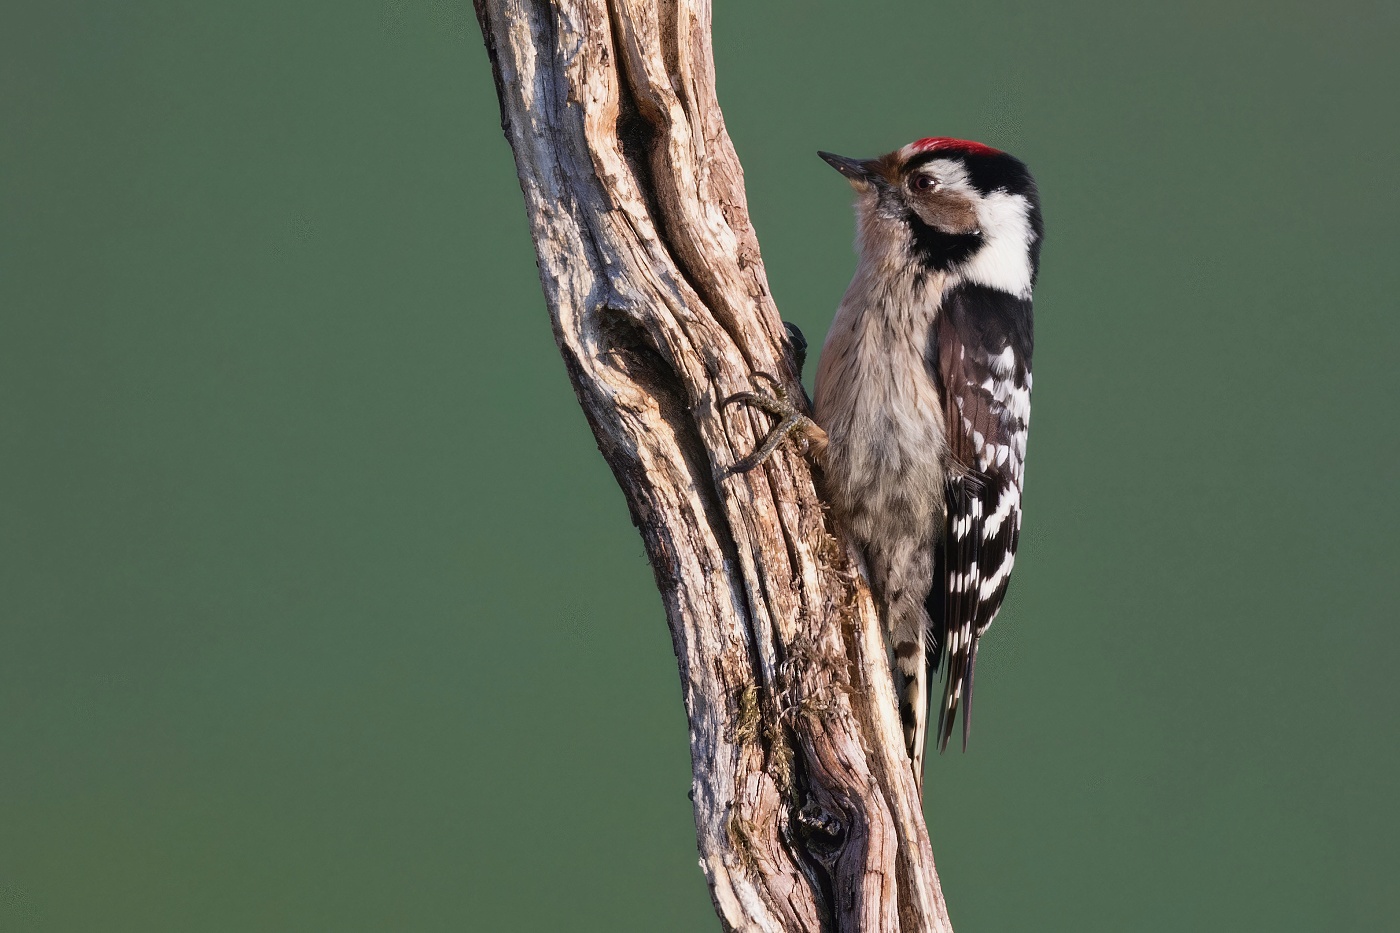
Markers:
point(806, 811)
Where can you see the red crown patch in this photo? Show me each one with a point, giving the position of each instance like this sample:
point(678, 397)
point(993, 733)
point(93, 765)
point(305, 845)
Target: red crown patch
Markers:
point(948, 144)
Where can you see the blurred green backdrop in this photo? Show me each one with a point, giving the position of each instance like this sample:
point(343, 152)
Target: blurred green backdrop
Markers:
point(320, 611)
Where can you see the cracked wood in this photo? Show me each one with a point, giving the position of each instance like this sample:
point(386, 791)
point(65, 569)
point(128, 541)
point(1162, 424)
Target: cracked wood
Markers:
point(806, 812)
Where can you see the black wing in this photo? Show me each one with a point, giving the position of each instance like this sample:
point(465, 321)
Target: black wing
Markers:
point(984, 368)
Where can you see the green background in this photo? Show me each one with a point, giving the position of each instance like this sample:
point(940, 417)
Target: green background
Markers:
point(320, 611)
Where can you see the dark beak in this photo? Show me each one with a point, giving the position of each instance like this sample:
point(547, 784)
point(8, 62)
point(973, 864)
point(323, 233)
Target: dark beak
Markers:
point(855, 170)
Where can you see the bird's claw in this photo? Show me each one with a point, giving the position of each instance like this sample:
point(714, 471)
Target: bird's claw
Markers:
point(790, 419)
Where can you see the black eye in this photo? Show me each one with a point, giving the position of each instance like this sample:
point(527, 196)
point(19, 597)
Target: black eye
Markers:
point(923, 182)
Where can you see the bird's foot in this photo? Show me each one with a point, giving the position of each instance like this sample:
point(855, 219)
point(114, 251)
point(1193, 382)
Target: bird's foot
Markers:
point(797, 345)
point(791, 421)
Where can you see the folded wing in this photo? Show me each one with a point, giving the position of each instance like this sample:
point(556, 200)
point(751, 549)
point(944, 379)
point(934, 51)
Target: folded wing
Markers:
point(983, 362)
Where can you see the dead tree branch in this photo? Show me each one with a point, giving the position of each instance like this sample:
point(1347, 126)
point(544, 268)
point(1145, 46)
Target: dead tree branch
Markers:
point(806, 811)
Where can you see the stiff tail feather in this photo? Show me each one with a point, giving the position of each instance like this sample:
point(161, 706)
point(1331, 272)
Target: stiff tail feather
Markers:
point(961, 585)
point(957, 689)
point(913, 700)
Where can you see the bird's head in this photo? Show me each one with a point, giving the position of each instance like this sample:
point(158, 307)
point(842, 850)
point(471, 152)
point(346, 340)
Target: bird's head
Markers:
point(951, 206)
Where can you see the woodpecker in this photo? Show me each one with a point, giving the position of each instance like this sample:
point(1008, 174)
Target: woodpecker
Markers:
point(922, 404)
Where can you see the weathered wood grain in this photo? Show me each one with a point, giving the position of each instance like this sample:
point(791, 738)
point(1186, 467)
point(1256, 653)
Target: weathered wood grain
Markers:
point(806, 811)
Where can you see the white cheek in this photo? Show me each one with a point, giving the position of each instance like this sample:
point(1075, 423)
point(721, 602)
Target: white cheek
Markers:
point(1004, 261)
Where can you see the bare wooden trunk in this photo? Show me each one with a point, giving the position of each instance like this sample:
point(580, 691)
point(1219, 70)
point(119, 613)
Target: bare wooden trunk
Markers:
point(806, 811)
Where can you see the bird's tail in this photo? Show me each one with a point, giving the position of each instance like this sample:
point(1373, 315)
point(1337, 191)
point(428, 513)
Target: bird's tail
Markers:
point(957, 687)
point(901, 577)
point(961, 579)
point(912, 664)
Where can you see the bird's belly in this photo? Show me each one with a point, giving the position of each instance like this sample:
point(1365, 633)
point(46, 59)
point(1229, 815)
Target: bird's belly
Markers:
point(886, 457)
